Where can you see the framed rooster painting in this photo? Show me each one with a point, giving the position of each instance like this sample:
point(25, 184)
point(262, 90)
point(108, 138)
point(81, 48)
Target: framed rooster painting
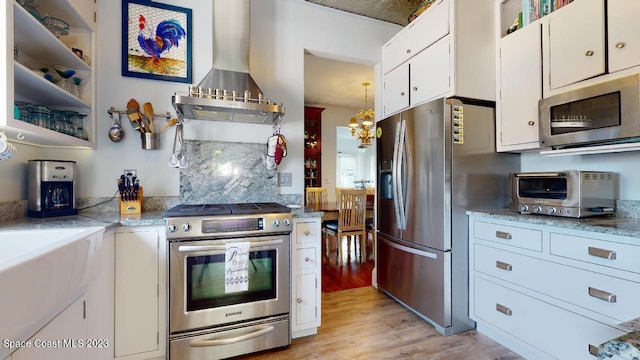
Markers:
point(156, 41)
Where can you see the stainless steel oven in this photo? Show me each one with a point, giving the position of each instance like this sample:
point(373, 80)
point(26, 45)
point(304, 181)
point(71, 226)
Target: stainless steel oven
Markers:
point(229, 279)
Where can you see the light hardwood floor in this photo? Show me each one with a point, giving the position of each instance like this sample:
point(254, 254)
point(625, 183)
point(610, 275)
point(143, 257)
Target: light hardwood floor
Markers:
point(363, 323)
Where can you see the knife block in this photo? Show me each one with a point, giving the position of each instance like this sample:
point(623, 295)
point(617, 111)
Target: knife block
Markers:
point(131, 206)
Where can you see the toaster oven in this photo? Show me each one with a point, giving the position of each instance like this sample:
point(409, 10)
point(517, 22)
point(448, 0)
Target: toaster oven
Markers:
point(572, 193)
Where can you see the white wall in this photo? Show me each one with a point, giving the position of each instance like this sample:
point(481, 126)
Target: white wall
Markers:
point(281, 30)
point(625, 164)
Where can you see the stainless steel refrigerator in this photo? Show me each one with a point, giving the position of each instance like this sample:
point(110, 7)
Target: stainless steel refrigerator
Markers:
point(435, 161)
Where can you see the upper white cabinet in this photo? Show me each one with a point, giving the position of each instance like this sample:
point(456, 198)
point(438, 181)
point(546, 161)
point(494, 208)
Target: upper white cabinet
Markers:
point(446, 51)
point(29, 45)
point(623, 34)
point(575, 43)
point(519, 71)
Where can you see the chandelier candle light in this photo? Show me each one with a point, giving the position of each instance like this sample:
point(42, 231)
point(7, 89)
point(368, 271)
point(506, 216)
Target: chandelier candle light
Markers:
point(361, 124)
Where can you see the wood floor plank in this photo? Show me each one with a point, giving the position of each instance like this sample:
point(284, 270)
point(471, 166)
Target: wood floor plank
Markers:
point(363, 323)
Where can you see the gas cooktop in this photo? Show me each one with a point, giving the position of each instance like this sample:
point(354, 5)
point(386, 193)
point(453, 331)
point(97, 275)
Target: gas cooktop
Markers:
point(226, 209)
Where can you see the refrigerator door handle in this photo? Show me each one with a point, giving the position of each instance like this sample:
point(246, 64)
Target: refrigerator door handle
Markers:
point(407, 175)
point(403, 176)
point(410, 250)
point(394, 175)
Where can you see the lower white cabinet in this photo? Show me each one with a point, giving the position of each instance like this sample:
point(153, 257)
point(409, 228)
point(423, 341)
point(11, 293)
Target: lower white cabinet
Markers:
point(140, 293)
point(306, 275)
point(558, 300)
point(63, 338)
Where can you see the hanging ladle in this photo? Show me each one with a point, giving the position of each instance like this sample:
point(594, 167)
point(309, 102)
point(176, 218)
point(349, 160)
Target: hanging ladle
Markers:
point(116, 133)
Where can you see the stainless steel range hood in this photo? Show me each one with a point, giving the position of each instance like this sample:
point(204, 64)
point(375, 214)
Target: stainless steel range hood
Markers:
point(228, 93)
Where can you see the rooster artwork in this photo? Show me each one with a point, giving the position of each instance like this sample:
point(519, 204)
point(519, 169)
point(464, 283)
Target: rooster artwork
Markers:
point(157, 44)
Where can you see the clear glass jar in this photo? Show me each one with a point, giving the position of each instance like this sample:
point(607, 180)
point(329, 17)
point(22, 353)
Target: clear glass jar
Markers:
point(40, 115)
point(25, 112)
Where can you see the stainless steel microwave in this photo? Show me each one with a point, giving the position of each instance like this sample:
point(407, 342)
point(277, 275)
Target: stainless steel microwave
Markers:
point(606, 113)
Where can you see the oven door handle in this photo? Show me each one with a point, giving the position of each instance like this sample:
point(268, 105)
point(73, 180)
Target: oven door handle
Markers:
point(233, 340)
point(252, 245)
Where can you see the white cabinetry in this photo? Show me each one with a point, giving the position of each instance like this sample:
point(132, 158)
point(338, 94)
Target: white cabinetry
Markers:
point(36, 44)
point(446, 51)
point(140, 293)
point(305, 276)
point(623, 34)
point(63, 338)
point(548, 292)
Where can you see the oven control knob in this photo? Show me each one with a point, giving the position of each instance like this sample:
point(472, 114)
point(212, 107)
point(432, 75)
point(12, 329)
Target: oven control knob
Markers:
point(276, 223)
point(286, 222)
point(524, 207)
point(537, 209)
point(551, 211)
point(172, 228)
point(186, 226)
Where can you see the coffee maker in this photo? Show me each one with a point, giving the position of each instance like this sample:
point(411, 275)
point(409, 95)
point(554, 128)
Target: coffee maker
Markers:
point(51, 188)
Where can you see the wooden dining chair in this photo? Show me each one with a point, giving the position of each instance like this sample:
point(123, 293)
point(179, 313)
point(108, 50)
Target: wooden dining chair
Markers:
point(350, 223)
point(315, 195)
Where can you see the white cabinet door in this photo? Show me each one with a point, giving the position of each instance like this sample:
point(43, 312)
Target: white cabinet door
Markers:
point(576, 43)
point(306, 309)
point(430, 73)
point(63, 338)
point(137, 289)
point(624, 34)
point(395, 94)
point(519, 89)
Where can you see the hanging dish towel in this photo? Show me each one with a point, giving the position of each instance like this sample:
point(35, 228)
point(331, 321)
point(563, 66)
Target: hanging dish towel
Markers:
point(236, 267)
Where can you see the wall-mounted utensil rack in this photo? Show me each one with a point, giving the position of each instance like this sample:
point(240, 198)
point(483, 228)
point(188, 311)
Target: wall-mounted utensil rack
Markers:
point(113, 110)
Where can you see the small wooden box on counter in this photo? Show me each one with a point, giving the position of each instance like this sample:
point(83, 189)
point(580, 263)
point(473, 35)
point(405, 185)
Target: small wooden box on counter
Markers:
point(131, 206)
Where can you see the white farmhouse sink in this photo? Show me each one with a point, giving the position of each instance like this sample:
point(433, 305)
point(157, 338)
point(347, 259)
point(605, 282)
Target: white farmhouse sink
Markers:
point(40, 273)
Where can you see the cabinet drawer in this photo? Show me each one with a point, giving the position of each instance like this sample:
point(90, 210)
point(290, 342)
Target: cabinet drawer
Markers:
point(306, 232)
point(306, 259)
point(430, 27)
point(594, 251)
point(561, 334)
point(508, 235)
point(610, 296)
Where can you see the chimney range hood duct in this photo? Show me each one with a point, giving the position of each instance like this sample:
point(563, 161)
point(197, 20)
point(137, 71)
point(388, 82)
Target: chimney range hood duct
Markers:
point(228, 93)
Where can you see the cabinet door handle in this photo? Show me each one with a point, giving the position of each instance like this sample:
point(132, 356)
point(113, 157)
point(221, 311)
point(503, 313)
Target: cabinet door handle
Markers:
point(602, 295)
point(593, 350)
point(602, 253)
point(503, 235)
point(503, 309)
point(503, 266)
point(408, 51)
point(306, 259)
point(402, 93)
point(589, 53)
point(620, 45)
point(306, 233)
point(415, 88)
point(299, 301)
point(531, 123)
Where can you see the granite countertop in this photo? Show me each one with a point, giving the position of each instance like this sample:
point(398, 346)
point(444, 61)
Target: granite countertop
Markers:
point(626, 346)
point(613, 225)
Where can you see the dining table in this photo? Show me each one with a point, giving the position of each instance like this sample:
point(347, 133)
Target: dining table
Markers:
point(331, 209)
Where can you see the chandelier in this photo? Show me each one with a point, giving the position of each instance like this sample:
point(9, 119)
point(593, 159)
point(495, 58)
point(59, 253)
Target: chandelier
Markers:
point(361, 124)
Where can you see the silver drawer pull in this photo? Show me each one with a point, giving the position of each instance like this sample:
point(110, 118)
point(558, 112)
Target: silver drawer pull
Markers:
point(602, 295)
point(503, 309)
point(503, 235)
point(593, 350)
point(602, 253)
point(503, 265)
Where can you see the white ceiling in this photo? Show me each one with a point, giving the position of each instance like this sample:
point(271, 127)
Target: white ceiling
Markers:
point(334, 82)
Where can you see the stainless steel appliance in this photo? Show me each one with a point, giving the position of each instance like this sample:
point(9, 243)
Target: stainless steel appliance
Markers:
point(435, 161)
point(228, 92)
point(572, 193)
point(208, 319)
point(51, 188)
point(605, 113)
